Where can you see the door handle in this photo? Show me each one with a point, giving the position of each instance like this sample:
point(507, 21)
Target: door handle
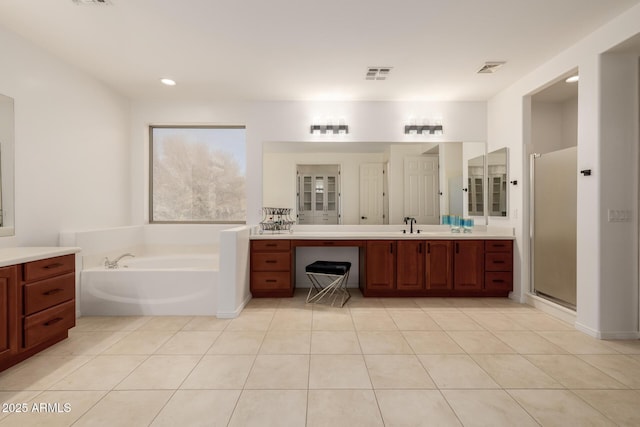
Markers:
point(363, 217)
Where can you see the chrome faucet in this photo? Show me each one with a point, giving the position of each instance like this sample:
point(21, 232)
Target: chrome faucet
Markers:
point(410, 220)
point(114, 264)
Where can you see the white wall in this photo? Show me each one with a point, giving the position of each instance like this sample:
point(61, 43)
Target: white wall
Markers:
point(71, 146)
point(507, 127)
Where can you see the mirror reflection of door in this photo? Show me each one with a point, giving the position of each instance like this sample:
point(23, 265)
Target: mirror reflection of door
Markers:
point(372, 193)
point(318, 193)
point(421, 189)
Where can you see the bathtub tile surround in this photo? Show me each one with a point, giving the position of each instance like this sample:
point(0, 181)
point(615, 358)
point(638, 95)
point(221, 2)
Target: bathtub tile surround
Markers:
point(203, 370)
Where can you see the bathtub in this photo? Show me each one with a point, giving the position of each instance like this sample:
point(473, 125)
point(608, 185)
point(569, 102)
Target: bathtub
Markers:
point(177, 285)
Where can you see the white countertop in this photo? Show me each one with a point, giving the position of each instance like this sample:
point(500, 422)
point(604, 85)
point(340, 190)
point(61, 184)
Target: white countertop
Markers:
point(354, 232)
point(12, 256)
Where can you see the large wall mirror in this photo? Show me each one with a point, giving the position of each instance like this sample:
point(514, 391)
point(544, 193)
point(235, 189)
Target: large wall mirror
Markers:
point(380, 183)
point(6, 166)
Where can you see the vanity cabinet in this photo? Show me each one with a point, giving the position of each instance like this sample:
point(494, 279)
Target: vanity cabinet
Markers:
point(439, 265)
point(468, 265)
point(498, 265)
point(9, 309)
point(410, 265)
point(271, 268)
point(37, 299)
point(380, 265)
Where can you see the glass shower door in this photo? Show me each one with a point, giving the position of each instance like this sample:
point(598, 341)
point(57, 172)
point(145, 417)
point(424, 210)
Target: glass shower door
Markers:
point(553, 236)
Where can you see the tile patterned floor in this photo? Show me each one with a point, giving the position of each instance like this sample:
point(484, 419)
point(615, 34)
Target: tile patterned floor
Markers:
point(391, 362)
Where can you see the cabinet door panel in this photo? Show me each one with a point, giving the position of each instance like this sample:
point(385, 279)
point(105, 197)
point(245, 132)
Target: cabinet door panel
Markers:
point(380, 264)
point(410, 265)
point(468, 264)
point(8, 312)
point(439, 265)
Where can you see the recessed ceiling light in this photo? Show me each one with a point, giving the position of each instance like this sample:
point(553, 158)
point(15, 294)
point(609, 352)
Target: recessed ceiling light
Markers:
point(572, 79)
point(168, 82)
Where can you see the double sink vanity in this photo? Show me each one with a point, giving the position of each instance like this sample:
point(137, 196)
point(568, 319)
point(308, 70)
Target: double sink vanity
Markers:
point(392, 263)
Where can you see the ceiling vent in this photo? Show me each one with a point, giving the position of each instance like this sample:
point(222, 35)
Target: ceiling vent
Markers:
point(490, 67)
point(92, 2)
point(378, 73)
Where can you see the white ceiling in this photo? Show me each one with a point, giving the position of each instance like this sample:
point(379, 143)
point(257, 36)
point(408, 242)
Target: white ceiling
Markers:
point(307, 50)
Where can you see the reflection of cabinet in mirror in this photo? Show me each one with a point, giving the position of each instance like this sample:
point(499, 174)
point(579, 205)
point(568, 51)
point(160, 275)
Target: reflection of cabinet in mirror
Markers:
point(497, 180)
point(318, 194)
point(475, 190)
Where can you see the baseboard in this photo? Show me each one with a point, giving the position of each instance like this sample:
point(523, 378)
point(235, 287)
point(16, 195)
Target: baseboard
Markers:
point(553, 309)
point(236, 312)
point(608, 335)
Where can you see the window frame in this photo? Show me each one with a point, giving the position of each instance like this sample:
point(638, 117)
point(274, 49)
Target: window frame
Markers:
point(150, 195)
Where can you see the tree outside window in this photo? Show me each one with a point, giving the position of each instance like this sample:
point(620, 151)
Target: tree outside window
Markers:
point(198, 174)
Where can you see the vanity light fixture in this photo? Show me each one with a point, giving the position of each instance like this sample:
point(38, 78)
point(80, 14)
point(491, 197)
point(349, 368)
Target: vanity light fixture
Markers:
point(432, 129)
point(168, 82)
point(324, 129)
point(572, 79)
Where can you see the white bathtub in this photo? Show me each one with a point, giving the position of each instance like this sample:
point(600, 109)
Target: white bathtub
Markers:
point(178, 285)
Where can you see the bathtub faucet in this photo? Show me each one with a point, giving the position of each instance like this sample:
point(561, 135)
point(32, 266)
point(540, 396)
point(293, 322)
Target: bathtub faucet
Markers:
point(114, 264)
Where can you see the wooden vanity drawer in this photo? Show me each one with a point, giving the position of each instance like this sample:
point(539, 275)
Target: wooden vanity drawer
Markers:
point(50, 267)
point(49, 292)
point(271, 245)
point(271, 280)
point(498, 245)
point(46, 324)
point(271, 261)
point(498, 281)
point(498, 261)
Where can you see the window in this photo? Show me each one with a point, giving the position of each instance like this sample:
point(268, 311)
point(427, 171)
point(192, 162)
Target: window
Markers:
point(197, 174)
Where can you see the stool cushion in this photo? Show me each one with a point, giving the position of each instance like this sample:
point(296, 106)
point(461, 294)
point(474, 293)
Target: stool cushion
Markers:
point(329, 267)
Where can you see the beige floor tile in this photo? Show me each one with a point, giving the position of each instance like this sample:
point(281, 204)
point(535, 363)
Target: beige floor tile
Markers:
point(130, 408)
point(219, 372)
point(270, 408)
point(206, 323)
point(165, 323)
point(40, 373)
point(494, 321)
point(140, 342)
point(480, 342)
point(240, 342)
point(399, 303)
point(434, 304)
point(621, 406)
point(366, 320)
point(14, 399)
point(577, 342)
point(514, 371)
point(363, 303)
point(159, 372)
point(383, 342)
point(67, 407)
point(346, 408)
point(335, 342)
point(501, 304)
point(292, 320)
point(263, 304)
point(84, 343)
point(100, 373)
point(198, 408)
point(332, 320)
point(537, 321)
point(189, 342)
point(572, 372)
point(559, 408)
point(487, 408)
point(623, 368)
point(286, 342)
point(397, 372)
point(109, 323)
point(413, 320)
point(456, 371)
point(279, 372)
point(467, 303)
point(251, 320)
point(624, 346)
point(415, 408)
point(526, 342)
point(338, 371)
point(455, 321)
point(432, 342)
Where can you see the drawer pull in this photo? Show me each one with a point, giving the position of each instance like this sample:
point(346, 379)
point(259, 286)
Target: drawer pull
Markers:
point(54, 265)
point(271, 245)
point(328, 243)
point(495, 245)
point(53, 321)
point(271, 261)
point(428, 248)
point(271, 280)
point(498, 281)
point(419, 248)
point(498, 262)
point(53, 291)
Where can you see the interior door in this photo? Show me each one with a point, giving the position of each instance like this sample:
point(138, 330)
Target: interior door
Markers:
point(421, 189)
point(554, 225)
point(371, 193)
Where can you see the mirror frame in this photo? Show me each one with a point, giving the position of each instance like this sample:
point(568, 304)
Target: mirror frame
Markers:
point(7, 147)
